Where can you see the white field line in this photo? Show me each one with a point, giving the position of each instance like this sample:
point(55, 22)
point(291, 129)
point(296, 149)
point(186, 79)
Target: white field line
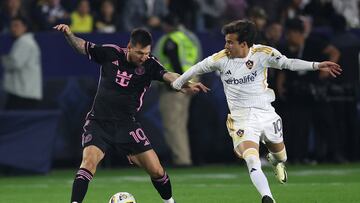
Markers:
point(26, 186)
point(195, 176)
point(229, 176)
point(338, 172)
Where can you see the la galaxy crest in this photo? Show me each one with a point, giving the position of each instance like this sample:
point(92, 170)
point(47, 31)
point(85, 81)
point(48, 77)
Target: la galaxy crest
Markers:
point(240, 133)
point(249, 64)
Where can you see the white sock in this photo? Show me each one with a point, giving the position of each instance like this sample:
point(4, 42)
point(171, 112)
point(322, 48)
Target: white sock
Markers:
point(171, 200)
point(278, 156)
point(257, 176)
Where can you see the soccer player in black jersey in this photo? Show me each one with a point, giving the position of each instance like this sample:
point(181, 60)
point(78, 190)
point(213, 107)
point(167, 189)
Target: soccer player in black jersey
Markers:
point(126, 74)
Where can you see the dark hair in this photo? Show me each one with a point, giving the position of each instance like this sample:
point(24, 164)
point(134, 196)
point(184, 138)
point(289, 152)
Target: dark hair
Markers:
point(140, 36)
point(295, 24)
point(245, 30)
point(23, 20)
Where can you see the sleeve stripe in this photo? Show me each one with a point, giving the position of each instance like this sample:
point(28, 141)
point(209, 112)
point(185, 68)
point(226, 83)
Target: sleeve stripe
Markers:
point(113, 46)
point(155, 59)
point(264, 49)
point(87, 44)
point(219, 55)
point(86, 48)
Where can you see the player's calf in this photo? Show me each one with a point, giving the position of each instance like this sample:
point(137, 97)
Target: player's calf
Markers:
point(163, 186)
point(277, 157)
point(257, 176)
point(80, 185)
point(277, 160)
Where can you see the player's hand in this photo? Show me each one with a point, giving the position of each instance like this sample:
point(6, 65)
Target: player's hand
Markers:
point(194, 88)
point(63, 28)
point(332, 68)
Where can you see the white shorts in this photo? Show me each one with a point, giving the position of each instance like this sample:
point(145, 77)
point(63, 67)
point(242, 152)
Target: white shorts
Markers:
point(253, 124)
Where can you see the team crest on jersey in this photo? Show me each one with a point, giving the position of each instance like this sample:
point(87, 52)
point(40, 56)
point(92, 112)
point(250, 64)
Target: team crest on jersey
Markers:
point(86, 139)
point(240, 133)
point(140, 70)
point(116, 63)
point(249, 64)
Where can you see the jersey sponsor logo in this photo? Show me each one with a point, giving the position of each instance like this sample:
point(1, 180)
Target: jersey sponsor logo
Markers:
point(249, 64)
point(140, 70)
point(228, 72)
point(123, 78)
point(246, 79)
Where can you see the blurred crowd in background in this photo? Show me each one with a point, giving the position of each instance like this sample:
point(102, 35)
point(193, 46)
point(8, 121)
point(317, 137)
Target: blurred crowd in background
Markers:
point(320, 114)
point(109, 16)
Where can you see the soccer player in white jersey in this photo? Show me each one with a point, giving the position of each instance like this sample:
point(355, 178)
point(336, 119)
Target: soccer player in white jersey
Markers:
point(243, 71)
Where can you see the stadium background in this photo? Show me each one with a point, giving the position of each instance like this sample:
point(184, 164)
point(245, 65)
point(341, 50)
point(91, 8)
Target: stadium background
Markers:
point(41, 149)
point(50, 136)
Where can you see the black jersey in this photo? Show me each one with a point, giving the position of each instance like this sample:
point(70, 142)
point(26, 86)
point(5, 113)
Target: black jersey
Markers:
point(122, 84)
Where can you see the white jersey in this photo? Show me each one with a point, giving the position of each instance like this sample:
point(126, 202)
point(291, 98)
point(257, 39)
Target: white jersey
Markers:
point(245, 79)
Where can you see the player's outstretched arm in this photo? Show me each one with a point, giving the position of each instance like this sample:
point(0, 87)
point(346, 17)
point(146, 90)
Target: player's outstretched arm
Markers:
point(330, 67)
point(170, 77)
point(77, 43)
point(194, 87)
point(187, 88)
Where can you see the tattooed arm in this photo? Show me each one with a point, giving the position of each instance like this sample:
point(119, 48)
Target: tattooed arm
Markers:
point(77, 43)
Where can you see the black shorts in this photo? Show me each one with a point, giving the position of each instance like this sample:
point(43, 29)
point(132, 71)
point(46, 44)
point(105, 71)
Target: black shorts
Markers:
point(123, 136)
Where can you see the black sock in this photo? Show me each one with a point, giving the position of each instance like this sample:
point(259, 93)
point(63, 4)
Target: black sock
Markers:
point(163, 186)
point(80, 185)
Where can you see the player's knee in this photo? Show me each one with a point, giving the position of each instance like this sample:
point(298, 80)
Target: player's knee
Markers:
point(280, 156)
point(156, 172)
point(92, 155)
point(251, 156)
point(89, 163)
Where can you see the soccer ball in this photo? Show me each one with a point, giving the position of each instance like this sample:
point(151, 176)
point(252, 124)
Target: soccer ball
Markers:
point(122, 197)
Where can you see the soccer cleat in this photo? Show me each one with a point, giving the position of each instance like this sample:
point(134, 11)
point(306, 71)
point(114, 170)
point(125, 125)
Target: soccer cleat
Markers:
point(279, 169)
point(267, 199)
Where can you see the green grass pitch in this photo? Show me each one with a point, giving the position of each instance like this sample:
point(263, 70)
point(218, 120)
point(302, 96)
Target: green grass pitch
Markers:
point(210, 184)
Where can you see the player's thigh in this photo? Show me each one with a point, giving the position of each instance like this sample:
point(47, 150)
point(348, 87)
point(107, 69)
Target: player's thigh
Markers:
point(95, 134)
point(93, 143)
point(273, 129)
point(244, 146)
point(275, 147)
point(132, 138)
point(92, 155)
point(244, 131)
point(150, 162)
